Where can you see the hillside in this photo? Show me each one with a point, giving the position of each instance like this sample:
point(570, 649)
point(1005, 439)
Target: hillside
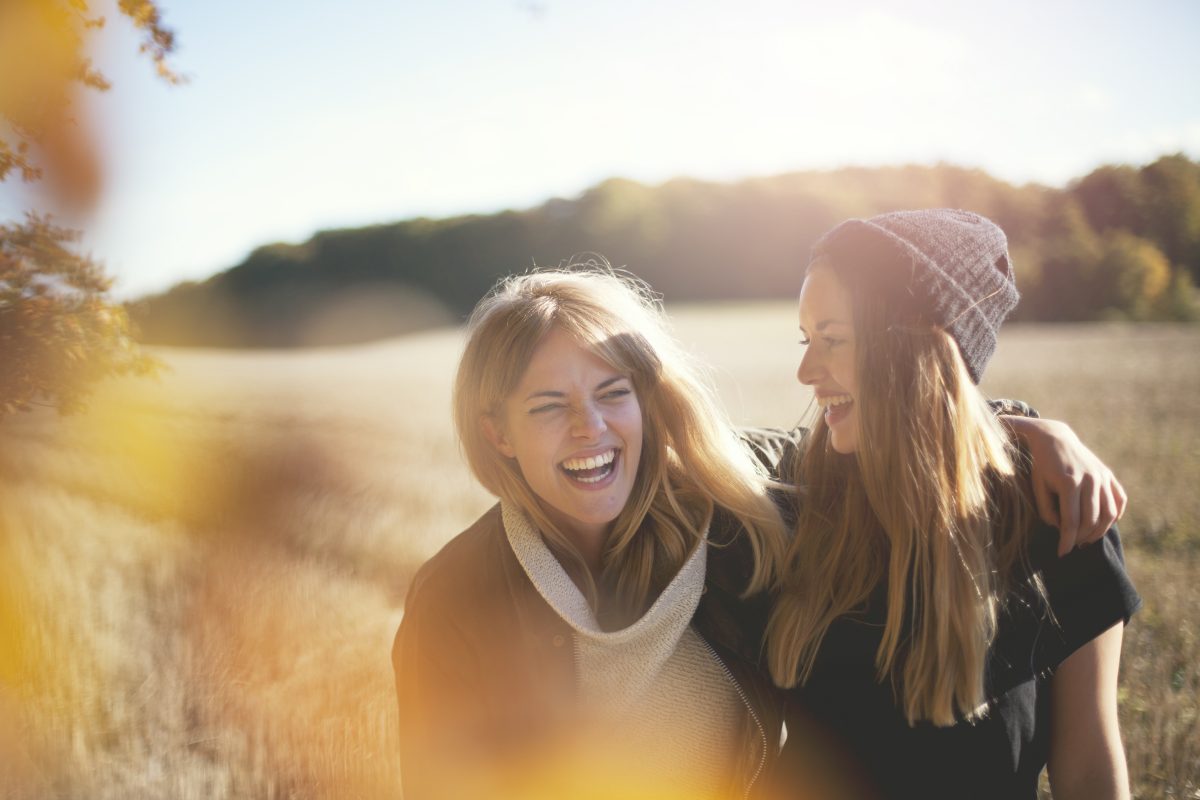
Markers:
point(1121, 242)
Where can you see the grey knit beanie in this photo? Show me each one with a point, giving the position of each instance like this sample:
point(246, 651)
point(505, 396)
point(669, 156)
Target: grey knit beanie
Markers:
point(958, 270)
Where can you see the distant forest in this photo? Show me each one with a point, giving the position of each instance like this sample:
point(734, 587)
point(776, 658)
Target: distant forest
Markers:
point(1121, 243)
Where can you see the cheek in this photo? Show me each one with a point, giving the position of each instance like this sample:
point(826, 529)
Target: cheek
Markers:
point(532, 438)
point(848, 371)
point(633, 425)
point(627, 424)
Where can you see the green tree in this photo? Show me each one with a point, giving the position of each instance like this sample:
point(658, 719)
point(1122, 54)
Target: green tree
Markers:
point(1131, 276)
point(1172, 191)
point(59, 330)
point(1113, 198)
point(1056, 269)
point(1180, 302)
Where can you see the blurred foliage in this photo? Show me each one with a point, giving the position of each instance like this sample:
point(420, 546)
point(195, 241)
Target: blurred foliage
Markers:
point(1121, 242)
point(59, 331)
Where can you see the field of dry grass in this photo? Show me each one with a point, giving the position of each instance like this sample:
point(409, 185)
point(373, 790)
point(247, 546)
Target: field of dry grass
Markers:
point(200, 577)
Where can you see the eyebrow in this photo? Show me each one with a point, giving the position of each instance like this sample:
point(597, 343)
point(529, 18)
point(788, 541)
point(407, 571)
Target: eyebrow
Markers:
point(599, 387)
point(825, 323)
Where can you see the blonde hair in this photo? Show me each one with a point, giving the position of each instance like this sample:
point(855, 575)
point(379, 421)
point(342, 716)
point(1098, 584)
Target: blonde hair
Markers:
point(931, 506)
point(691, 458)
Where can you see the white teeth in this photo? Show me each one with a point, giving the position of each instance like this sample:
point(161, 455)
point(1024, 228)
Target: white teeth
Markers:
point(834, 400)
point(591, 462)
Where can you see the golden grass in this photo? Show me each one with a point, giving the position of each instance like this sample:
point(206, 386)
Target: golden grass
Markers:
point(200, 577)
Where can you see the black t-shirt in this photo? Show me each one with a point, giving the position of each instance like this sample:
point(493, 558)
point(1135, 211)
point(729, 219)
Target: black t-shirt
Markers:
point(846, 734)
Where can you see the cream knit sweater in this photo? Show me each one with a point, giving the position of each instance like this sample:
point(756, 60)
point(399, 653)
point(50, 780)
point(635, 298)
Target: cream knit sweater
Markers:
point(655, 687)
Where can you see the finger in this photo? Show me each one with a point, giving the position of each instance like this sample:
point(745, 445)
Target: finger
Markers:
point(1090, 511)
point(1066, 542)
point(1122, 498)
point(1108, 513)
point(1068, 511)
point(1047, 508)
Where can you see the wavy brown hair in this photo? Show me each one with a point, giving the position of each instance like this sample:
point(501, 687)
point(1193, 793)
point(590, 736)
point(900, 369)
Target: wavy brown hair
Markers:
point(692, 459)
point(931, 506)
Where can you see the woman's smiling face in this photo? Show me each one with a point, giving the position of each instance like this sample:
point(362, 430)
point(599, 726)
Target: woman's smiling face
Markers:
point(574, 426)
point(830, 363)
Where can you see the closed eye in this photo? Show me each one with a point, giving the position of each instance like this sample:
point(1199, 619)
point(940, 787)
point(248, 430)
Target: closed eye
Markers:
point(542, 409)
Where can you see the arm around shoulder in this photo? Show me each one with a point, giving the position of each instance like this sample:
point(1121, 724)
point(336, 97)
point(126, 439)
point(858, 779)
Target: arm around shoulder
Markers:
point(1074, 490)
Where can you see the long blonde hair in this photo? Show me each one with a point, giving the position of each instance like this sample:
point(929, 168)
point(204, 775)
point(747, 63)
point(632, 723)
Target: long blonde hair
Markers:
point(931, 505)
point(691, 459)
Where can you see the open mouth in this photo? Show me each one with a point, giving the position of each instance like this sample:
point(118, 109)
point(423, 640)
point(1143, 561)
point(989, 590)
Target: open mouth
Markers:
point(837, 407)
point(591, 469)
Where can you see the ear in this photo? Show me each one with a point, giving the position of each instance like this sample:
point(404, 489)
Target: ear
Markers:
point(495, 434)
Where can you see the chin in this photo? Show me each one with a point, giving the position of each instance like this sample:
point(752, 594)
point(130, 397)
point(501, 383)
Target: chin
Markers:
point(840, 445)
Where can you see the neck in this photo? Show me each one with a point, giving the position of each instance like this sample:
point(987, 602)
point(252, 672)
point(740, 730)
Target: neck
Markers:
point(590, 544)
point(588, 539)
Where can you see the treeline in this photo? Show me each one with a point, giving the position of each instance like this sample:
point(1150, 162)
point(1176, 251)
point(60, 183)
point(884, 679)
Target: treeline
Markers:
point(1122, 242)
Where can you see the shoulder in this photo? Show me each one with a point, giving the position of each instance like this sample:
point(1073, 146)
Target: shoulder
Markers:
point(1086, 592)
point(1089, 588)
point(730, 558)
point(463, 569)
point(454, 598)
point(726, 616)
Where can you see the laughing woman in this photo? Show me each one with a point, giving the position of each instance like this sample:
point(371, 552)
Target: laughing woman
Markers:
point(936, 645)
point(586, 636)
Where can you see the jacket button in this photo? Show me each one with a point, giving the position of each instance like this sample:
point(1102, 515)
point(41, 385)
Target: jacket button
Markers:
point(558, 640)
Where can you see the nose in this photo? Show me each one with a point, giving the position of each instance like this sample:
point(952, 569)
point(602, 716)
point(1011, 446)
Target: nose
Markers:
point(810, 370)
point(587, 422)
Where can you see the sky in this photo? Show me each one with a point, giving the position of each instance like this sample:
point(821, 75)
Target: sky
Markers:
point(303, 116)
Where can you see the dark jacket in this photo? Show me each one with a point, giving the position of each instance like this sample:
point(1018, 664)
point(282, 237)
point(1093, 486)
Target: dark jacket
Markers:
point(485, 670)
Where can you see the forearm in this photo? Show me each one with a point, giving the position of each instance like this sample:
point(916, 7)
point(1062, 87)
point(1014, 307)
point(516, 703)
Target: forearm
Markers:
point(1107, 779)
point(1087, 761)
point(1103, 775)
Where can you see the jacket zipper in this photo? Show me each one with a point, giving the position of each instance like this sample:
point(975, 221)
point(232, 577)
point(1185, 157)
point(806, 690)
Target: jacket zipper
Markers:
point(762, 733)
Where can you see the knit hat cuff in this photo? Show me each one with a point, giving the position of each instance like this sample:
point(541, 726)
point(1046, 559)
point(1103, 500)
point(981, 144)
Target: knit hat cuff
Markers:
point(953, 267)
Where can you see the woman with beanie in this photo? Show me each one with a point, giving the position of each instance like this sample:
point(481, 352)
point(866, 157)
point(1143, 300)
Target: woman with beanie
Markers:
point(932, 642)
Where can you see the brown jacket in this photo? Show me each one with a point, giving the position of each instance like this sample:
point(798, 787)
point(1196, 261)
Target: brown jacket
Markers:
point(485, 671)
